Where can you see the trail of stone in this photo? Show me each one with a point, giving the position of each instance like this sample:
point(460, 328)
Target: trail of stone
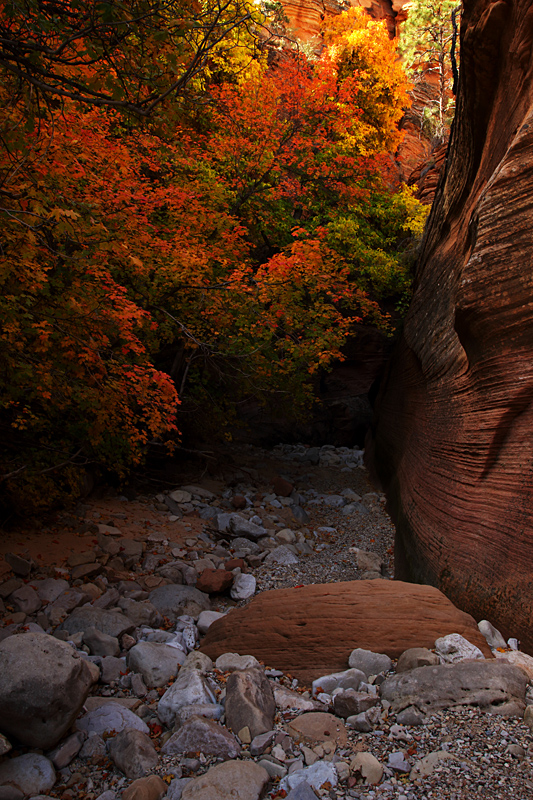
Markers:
point(140, 713)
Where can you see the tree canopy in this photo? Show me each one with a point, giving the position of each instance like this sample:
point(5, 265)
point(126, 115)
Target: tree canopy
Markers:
point(190, 217)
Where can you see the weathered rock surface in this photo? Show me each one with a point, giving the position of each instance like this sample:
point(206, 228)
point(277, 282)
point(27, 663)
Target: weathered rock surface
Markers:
point(234, 780)
point(188, 689)
point(133, 753)
point(112, 623)
point(174, 600)
point(494, 686)
point(454, 415)
point(249, 702)
point(110, 717)
point(43, 685)
point(156, 662)
point(200, 735)
point(303, 631)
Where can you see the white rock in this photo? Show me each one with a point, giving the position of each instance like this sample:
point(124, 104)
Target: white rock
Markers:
point(31, 773)
point(189, 689)
point(317, 775)
point(243, 587)
point(110, 717)
point(454, 647)
point(206, 619)
point(282, 555)
point(491, 634)
point(349, 679)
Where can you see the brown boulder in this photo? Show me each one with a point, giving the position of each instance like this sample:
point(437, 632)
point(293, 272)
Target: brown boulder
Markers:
point(454, 417)
point(310, 631)
point(213, 581)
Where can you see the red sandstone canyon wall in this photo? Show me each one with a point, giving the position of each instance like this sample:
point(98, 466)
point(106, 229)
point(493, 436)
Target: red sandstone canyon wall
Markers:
point(453, 438)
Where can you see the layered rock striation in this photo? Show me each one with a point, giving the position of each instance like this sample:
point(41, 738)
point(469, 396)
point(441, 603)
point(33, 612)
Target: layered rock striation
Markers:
point(454, 417)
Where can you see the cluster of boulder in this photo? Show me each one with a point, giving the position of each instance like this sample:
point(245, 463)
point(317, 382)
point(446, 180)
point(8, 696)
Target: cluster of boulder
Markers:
point(232, 728)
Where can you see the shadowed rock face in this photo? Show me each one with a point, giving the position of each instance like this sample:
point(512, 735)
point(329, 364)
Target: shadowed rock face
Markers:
point(454, 418)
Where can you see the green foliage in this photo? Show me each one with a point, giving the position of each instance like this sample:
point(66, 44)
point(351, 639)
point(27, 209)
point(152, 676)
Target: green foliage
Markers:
point(425, 44)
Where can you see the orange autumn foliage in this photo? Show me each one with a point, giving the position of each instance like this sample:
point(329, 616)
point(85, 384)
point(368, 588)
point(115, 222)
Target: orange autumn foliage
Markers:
point(187, 258)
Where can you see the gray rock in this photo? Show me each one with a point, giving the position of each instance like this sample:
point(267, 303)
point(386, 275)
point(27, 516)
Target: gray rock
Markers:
point(5, 745)
point(43, 685)
point(31, 773)
point(229, 662)
point(157, 663)
point(416, 657)
point(240, 526)
point(176, 787)
point(233, 780)
point(398, 762)
point(67, 751)
point(302, 791)
point(348, 679)
point(207, 710)
point(300, 514)
point(109, 598)
point(133, 753)
point(20, 566)
point(249, 702)
point(360, 722)
point(206, 619)
point(138, 686)
point(49, 589)
point(410, 716)
point(282, 555)
point(201, 735)
point(100, 644)
point(141, 613)
point(25, 599)
point(110, 717)
point(492, 635)
point(94, 749)
point(368, 662)
point(108, 795)
point(261, 743)
point(111, 669)
point(174, 600)
point(349, 702)
point(493, 685)
point(189, 689)
point(112, 623)
point(243, 587)
point(246, 545)
point(454, 647)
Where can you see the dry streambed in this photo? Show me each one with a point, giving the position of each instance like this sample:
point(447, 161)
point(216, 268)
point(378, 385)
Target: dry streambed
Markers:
point(104, 694)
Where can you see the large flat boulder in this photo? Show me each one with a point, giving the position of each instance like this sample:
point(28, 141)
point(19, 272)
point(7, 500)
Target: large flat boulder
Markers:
point(494, 686)
point(310, 631)
point(43, 685)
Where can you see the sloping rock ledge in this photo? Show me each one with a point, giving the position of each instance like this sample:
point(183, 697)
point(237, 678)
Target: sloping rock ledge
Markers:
point(309, 631)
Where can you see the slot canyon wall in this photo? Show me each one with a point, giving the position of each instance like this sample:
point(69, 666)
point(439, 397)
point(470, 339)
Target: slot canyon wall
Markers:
point(453, 430)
